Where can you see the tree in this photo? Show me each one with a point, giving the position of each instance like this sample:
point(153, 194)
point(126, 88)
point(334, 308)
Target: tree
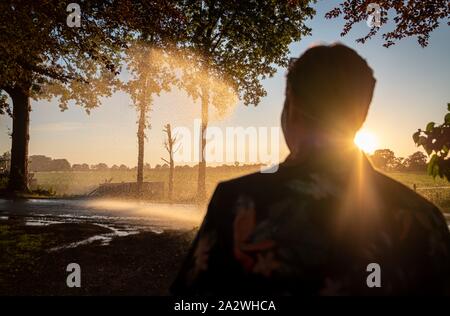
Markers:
point(436, 142)
point(122, 167)
point(60, 165)
point(43, 163)
point(157, 25)
point(169, 145)
point(100, 167)
point(80, 167)
point(150, 75)
point(398, 164)
point(40, 163)
point(383, 159)
point(42, 57)
point(411, 18)
point(230, 46)
point(416, 162)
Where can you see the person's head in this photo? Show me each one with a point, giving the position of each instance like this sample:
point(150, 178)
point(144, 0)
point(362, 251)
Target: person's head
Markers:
point(328, 92)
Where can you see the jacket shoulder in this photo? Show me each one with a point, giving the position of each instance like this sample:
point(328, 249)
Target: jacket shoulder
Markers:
point(253, 182)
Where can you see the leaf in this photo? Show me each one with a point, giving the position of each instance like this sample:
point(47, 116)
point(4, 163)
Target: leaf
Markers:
point(434, 170)
point(447, 118)
point(430, 126)
point(431, 164)
point(422, 140)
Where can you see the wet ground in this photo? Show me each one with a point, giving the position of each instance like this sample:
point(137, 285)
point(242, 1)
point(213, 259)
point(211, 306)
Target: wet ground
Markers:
point(123, 248)
point(120, 218)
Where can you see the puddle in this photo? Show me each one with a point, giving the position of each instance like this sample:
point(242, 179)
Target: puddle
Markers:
point(39, 222)
point(105, 238)
point(116, 228)
point(121, 218)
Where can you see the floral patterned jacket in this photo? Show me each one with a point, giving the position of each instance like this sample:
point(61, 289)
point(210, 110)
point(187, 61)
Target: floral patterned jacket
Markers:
point(314, 229)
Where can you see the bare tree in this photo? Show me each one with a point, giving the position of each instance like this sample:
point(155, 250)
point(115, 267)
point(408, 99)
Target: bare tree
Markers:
point(169, 144)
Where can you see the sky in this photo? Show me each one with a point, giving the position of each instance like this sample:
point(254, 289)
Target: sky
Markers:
point(413, 88)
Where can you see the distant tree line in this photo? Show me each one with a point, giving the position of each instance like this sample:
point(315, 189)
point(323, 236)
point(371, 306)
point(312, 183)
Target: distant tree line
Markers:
point(39, 163)
point(385, 159)
point(42, 163)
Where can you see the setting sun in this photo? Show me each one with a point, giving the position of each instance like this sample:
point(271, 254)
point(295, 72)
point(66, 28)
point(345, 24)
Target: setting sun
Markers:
point(366, 141)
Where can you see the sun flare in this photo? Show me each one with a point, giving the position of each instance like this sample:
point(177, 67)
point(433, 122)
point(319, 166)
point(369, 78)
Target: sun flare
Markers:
point(366, 141)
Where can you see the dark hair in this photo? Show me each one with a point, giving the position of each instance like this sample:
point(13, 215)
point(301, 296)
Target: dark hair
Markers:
point(333, 86)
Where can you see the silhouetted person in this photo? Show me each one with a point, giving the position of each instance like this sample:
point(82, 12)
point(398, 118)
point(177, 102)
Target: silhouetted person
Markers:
point(326, 223)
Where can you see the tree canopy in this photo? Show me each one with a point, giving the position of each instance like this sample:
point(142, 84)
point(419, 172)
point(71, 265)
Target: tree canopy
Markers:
point(40, 52)
point(42, 56)
point(241, 42)
point(410, 18)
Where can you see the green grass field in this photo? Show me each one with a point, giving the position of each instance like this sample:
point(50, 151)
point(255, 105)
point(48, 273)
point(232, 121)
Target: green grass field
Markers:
point(185, 181)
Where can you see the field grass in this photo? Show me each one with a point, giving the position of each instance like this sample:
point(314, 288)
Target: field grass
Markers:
point(185, 181)
point(421, 179)
point(436, 190)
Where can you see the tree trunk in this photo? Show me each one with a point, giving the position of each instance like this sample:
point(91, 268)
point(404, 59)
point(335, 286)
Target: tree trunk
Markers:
point(18, 180)
point(141, 139)
point(201, 187)
point(169, 147)
point(171, 141)
point(171, 179)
